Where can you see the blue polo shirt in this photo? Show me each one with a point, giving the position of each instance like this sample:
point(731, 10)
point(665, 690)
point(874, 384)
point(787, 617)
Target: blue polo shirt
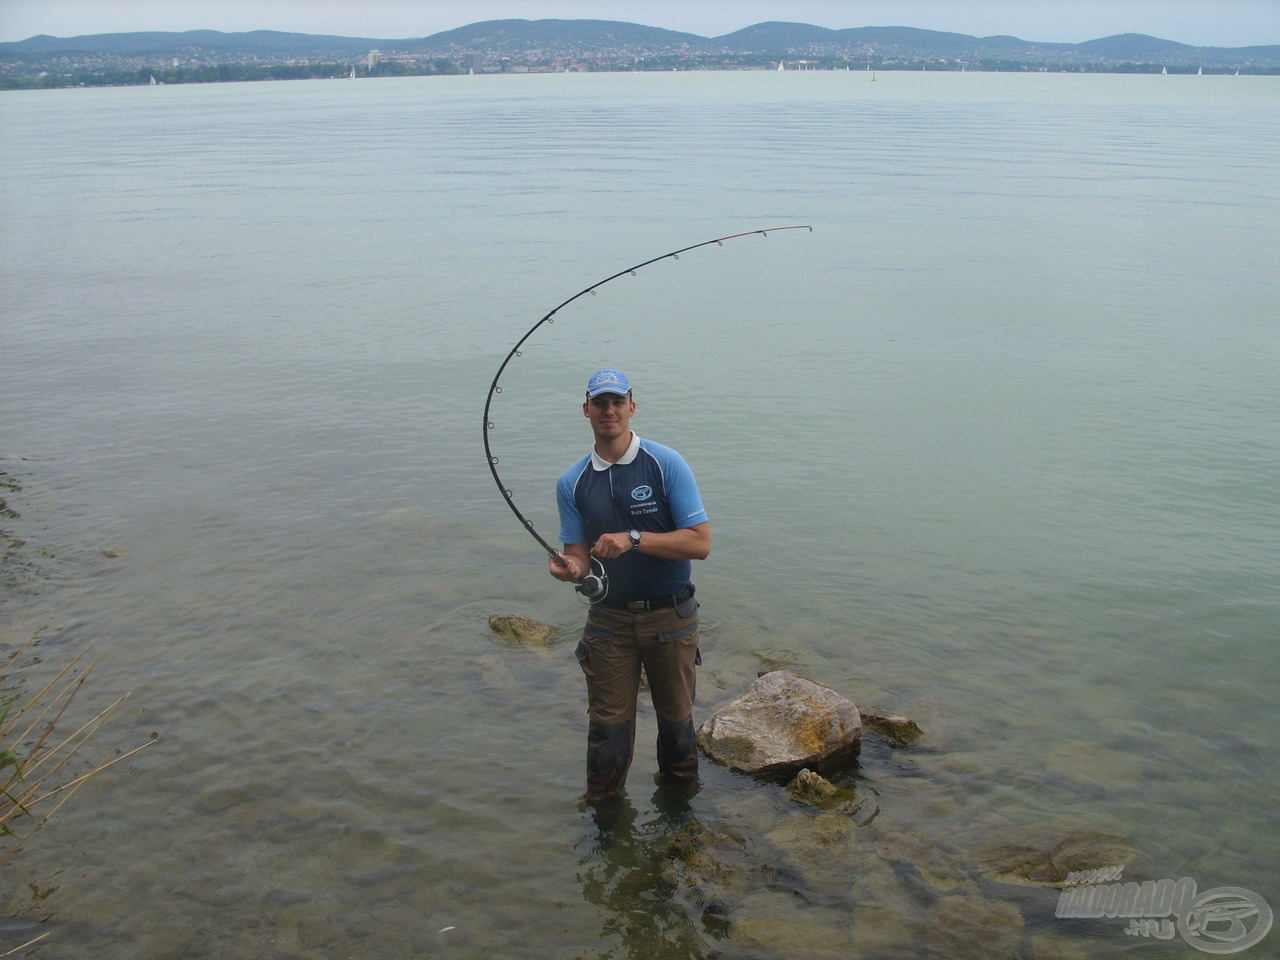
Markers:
point(650, 488)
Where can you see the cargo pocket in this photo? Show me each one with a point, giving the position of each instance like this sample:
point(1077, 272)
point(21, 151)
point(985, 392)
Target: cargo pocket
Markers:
point(583, 651)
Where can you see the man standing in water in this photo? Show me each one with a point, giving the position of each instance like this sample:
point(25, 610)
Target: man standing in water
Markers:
point(633, 505)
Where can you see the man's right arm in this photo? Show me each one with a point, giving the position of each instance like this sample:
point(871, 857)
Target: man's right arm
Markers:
point(576, 563)
point(576, 555)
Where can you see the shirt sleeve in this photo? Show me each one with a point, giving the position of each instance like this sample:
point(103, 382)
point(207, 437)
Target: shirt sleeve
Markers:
point(683, 498)
point(571, 525)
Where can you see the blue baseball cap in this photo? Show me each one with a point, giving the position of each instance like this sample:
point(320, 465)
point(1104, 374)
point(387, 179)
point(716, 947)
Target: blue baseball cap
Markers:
point(608, 381)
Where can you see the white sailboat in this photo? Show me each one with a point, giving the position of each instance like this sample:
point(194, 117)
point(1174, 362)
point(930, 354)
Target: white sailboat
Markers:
point(781, 64)
point(1200, 72)
point(353, 74)
point(1165, 71)
point(154, 81)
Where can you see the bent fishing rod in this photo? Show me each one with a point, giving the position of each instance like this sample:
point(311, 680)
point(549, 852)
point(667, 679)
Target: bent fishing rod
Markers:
point(594, 585)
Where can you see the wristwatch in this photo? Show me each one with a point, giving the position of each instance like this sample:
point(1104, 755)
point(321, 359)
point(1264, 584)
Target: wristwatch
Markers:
point(635, 539)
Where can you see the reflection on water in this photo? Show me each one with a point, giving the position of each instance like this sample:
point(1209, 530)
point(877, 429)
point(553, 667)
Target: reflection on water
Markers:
point(625, 868)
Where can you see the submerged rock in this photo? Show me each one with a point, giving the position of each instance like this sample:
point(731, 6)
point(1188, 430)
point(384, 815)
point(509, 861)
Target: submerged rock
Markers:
point(817, 791)
point(771, 659)
point(714, 864)
point(776, 924)
point(971, 928)
point(1054, 948)
point(819, 851)
point(1088, 849)
point(880, 929)
point(522, 631)
point(782, 724)
point(898, 730)
point(495, 674)
point(926, 867)
point(1043, 857)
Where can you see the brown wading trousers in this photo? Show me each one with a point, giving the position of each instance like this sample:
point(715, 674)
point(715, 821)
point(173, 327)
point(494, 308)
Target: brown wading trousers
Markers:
point(615, 643)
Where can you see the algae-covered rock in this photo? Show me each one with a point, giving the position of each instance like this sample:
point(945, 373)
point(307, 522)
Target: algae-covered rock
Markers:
point(935, 722)
point(713, 863)
point(522, 631)
point(782, 724)
point(820, 849)
point(1019, 864)
point(1055, 948)
point(881, 929)
point(1043, 856)
point(926, 866)
point(793, 938)
point(898, 730)
point(1089, 849)
point(971, 928)
point(817, 791)
point(769, 659)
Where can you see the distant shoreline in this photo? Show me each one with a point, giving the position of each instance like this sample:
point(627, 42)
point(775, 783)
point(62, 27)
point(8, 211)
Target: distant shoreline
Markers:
point(586, 46)
point(144, 77)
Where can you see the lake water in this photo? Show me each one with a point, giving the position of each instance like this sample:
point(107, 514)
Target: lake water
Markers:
point(995, 446)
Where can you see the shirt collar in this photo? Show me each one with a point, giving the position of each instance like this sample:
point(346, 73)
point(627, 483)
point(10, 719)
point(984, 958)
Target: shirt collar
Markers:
point(599, 463)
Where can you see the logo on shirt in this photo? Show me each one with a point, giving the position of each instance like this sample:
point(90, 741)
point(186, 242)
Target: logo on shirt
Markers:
point(642, 492)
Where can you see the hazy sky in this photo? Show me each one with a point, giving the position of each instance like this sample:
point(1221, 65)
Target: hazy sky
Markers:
point(1226, 23)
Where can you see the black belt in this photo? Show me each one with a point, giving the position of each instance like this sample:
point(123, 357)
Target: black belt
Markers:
point(640, 606)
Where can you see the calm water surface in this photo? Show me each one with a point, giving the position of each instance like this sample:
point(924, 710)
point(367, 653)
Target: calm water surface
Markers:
point(995, 446)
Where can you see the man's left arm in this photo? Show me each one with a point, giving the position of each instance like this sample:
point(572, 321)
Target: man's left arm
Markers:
point(687, 543)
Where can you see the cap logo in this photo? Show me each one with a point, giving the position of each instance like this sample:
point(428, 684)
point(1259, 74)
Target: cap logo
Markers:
point(608, 381)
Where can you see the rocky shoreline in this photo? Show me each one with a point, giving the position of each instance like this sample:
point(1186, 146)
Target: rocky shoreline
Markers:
point(833, 872)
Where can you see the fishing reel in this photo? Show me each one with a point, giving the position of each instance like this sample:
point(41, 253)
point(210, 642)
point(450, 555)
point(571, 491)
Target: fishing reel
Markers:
point(594, 585)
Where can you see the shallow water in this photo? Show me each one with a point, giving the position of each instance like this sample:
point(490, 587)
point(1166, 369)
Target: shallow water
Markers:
point(994, 446)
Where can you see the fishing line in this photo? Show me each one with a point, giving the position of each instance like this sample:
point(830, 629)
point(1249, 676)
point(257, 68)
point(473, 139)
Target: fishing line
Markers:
point(594, 585)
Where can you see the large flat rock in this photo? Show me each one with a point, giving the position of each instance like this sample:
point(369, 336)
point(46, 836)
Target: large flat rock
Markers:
point(780, 725)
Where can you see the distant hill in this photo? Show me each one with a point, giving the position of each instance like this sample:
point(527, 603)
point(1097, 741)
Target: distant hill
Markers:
point(780, 37)
point(1133, 46)
point(574, 37)
point(499, 33)
point(775, 36)
point(157, 43)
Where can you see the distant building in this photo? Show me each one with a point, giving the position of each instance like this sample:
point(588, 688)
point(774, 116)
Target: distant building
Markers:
point(374, 57)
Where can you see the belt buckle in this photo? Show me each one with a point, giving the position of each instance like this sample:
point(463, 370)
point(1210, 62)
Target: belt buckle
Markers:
point(638, 605)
